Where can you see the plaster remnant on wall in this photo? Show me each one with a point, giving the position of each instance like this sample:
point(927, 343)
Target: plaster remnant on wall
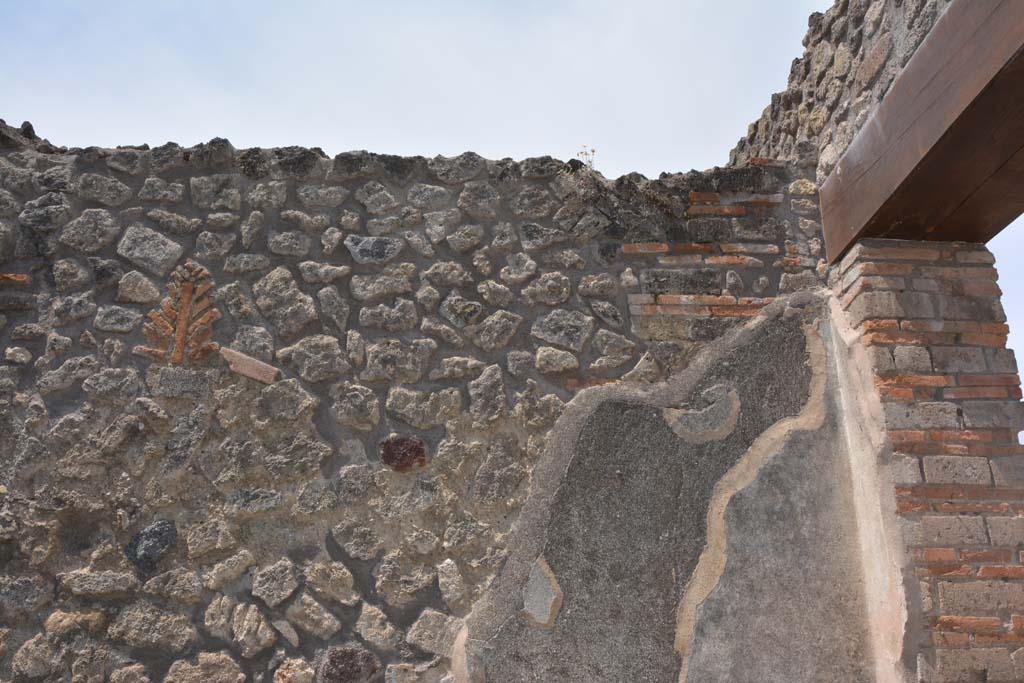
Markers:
point(542, 596)
point(375, 412)
point(713, 423)
point(713, 558)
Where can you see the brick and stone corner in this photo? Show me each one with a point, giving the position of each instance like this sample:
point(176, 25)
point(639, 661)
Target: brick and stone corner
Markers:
point(930, 318)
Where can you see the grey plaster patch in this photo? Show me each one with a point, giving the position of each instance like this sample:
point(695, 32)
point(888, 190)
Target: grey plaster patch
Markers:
point(781, 568)
point(620, 509)
point(623, 526)
point(542, 596)
point(711, 423)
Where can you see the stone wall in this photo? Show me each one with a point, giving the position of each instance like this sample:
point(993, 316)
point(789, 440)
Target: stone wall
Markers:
point(266, 412)
point(852, 54)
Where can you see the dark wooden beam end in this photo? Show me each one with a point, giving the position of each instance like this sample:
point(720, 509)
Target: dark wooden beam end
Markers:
point(942, 158)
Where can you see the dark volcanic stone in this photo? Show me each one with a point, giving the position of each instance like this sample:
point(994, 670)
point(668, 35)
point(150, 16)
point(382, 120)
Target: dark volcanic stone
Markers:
point(373, 249)
point(400, 167)
point(702, 230)
point(253, 163)
point(349, 165)
point(296, 160)
point(681, 281)
point(149, 545)
point(346, 664)
point(403, 453)
point(107, 272)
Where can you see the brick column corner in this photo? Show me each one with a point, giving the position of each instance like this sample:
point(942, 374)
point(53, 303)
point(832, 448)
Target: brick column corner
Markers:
point(930, 319)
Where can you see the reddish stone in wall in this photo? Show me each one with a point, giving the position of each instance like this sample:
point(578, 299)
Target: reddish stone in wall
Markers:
point(403, 453)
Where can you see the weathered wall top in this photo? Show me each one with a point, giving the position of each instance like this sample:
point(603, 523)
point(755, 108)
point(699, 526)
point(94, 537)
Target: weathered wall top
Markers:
point(852, 54)
point(264, 411)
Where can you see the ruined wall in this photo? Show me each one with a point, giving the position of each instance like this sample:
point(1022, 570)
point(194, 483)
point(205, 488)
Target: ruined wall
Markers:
point(264, 412)
point(852, 54)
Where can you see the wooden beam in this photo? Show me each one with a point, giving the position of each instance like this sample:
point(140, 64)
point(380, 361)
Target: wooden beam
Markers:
point(942, 157)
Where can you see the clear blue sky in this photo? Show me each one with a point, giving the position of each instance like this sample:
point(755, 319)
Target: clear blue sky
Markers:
point(653, 85)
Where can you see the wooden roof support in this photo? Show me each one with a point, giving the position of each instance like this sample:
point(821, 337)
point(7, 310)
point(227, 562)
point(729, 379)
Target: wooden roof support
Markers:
point(942, 158)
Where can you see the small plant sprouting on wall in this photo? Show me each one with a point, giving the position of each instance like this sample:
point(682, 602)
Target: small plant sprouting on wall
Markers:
point(588, 155)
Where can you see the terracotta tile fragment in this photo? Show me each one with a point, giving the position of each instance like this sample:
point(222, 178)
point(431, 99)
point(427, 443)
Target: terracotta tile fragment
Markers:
point(247, 366)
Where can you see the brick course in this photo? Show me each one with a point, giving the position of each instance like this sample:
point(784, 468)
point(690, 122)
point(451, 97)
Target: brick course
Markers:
point(733, 254)
point(930, 318)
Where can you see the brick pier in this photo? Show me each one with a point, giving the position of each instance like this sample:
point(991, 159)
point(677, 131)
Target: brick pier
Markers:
point(930, 317)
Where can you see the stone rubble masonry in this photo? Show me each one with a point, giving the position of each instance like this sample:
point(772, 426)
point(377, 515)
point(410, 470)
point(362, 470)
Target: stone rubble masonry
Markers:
point(852, 54)
point(929, 315)
point(396, 337)
point(732, 255)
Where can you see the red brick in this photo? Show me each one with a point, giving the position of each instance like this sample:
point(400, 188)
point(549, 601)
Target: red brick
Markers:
point(795, 263)
point(762, 199)
point(967, 508)
point(907, 435)
point(645, 248)
point(898, 253)
point(661, 309)
point(951, 640)
point(997, 341)
point(981, 288)
point(975, 392)
point(914, 380)
point(680, 260)
point(961, 273)
point(705, 197)
point(869, 268)
point(960, 435)
point(696, 299)
point(975, 256)
point(936, 555)
point(946, 492)
point(692, 248)
point(732, 260)
point(938, 326)
point(908, 507)
point(880, 325)
point(994, 555)
point(735, 311)
point(715, 210)
point(947, 570)
point(999, 639)
point(969, 624)
point(248, 366)
point(932, 447)
point(909, 339)
point(16, 279)
point(749, 248)
point(1001, 572)
point(989, 380)
point(900, 394)
point(1009, 449)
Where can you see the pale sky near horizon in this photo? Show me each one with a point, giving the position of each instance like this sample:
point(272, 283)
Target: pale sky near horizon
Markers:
point(652, 85)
